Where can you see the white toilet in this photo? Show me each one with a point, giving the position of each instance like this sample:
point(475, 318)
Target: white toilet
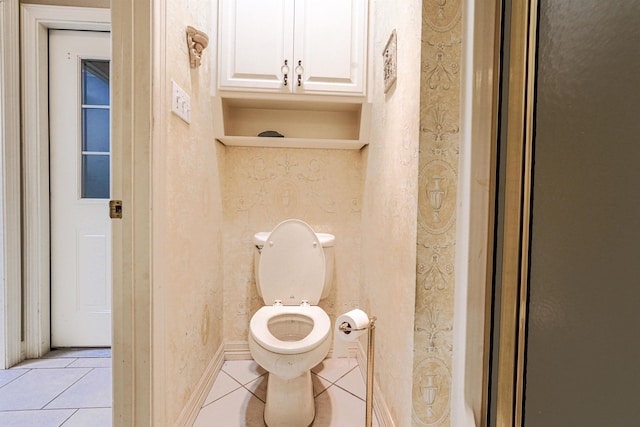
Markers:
point(291, 334)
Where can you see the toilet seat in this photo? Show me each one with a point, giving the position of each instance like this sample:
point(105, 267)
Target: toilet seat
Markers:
point(259, 329)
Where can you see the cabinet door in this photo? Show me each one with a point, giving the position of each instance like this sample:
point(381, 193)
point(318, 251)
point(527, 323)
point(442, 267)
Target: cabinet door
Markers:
point(330, 38)
point(255, 40)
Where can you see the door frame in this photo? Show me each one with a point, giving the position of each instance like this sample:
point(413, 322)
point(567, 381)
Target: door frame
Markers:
point(475, 214)
point(10, 198)
point(517, 217)
point(36, 20)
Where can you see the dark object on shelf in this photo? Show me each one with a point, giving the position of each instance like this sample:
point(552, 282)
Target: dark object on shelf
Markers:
point(271, 134)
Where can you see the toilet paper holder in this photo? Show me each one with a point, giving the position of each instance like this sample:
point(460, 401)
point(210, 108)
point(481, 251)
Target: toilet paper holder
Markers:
point(344, 327)
point(371, 327)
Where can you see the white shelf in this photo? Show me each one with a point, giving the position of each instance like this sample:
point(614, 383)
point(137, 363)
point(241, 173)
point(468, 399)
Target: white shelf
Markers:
point(254, 141)
point(316, 123)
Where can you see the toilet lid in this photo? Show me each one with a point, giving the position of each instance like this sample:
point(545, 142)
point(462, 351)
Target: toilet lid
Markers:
point(292, 265)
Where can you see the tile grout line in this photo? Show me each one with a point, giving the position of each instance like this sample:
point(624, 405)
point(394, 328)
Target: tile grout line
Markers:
point(13, 379)
point(349, 391)
point(69, 417)
point(226, 394)
point(339, 378)
point(244, 385)
point(235, 379)
point(331, 383)
point(42, 410)
point(345, 389)
point(69, 364)
point(255, 395)
point(45, 367)
point(70, 385)
point(335, 383)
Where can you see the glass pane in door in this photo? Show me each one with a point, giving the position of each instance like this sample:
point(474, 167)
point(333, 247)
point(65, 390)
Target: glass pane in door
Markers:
point(96, 155)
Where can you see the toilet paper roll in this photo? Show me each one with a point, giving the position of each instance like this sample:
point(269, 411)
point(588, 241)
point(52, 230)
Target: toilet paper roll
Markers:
point(355, 319)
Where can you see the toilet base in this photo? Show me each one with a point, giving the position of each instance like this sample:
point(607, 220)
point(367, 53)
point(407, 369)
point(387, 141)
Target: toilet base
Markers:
point(289, 401)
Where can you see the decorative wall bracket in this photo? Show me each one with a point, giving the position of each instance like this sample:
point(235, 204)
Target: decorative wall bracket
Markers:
point(390, 63)
point(197, 41)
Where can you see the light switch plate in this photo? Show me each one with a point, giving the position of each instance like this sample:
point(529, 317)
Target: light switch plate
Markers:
point(180, 102)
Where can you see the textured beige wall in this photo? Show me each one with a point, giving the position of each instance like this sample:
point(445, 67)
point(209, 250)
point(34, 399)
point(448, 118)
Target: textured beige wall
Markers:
point(439, 148)
point(187, 206)
point(263, 186)
point(390, 204)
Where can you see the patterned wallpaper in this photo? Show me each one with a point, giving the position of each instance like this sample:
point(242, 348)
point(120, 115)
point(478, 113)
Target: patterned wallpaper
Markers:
point(439, 142)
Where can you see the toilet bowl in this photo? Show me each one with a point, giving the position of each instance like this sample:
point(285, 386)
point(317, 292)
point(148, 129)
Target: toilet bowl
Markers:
point(291, 334)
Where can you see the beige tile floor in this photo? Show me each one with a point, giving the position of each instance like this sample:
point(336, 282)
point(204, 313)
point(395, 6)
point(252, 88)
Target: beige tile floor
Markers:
point(238, 394)
point(72, 388)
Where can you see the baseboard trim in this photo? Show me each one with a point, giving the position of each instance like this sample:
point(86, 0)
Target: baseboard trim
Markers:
point(351, 351)
point(194, 404)
point(380, 408)
point(237, 350)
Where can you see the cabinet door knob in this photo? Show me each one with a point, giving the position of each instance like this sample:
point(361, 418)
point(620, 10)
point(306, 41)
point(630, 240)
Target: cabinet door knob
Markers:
point(299, 72)
point(285, 70)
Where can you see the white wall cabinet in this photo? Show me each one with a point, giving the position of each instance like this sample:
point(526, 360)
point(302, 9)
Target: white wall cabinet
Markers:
point(293, 46)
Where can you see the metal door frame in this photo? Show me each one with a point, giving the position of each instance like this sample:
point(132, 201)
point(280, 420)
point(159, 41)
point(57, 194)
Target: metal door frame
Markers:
point(517, 217)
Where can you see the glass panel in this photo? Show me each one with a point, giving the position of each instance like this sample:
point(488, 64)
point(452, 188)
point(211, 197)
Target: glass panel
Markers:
point(95, 130)
point(95, 176)
point(582, 346)
point(95, 87)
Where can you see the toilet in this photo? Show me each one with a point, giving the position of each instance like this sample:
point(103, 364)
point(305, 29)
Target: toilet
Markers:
point(291, 334)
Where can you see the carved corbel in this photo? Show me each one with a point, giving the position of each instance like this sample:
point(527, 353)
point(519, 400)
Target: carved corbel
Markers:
point(197, 41)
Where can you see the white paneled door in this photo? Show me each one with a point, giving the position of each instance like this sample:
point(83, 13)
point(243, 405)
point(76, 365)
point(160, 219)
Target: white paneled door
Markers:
point(80, 164)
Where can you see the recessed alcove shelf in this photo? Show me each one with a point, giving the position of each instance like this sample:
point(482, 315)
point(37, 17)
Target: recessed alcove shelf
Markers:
point(304, 123)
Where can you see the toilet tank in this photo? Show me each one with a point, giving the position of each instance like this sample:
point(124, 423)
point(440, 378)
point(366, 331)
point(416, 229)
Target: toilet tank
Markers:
point(326, 240)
